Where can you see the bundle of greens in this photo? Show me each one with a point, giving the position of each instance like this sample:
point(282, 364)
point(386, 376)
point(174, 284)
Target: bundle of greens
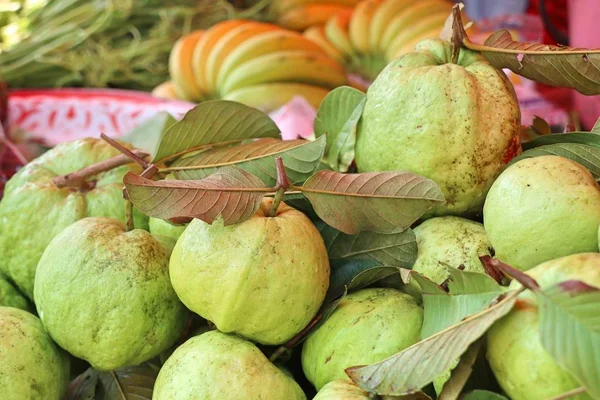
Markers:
point(106, 43)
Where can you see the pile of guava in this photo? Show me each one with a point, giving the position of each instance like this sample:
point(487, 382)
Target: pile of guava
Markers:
point(99, 300)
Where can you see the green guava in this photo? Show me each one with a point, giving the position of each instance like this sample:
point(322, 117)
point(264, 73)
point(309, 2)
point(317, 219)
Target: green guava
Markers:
point(165, 228)
point(104, 294)
point(540, 209)
point(341, 390)
point(367, 326)
point(457, 124)
point(216, 365)
point(10, 296)
point(521, 365)
point(34, 210)
point(32, 366)
point(264, 278)
point(449, 242)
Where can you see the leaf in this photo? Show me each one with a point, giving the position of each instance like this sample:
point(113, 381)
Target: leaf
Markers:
point(232, 193)
point(562, 66)
point(596, 128)
point(484, 395)
point(337, 117)
point(342, 276)
point(130, 383)
point(147, 135)
point(413, 368)
point(298, 201)
point(369, 276)
point(383, 202)
point(570, 330)
point(588, 138)
point(461, 373)
point(588, 156)
point(414, 396)
point(469, 293)
point(426, 285)
point(301, 159)
point(214, 121)
point(395, 249)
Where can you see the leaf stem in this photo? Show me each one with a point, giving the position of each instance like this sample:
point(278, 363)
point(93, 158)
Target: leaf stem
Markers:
point(282, 185)
point(569, 394)
point(512, 272)
point(484, 48)
point(130, 154)
point(77, 179)
point(118, 384)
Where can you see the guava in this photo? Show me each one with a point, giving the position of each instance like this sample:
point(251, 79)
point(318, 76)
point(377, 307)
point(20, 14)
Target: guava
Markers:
point(540, 209)
point(34, 210)
point(450, 241)
point(165, 228)
point(32, 366)
point(10, 296)
point(521, 365)
point(341, 390)
point(264, 278)
point(216, 365)
point(367, 326)
point(104, 294)
point(457, 124)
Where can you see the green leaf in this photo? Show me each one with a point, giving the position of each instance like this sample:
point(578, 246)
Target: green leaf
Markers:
point(418, 365)
point(561, 66)
point(461, 373)
point(232, 194)
point(147, 135)
point(342, 276)
point(298, 201)
point(300, 157)
point(588, 138)
point(596, 128)
point(588, 156)
point(395, 249)
point(426, 285)
point(211, 122)
point(369, 276)
point(483, 395)
point(383, 202)
point(570, 330)
point(469, 293)
point(124, 384)
point(338, 117)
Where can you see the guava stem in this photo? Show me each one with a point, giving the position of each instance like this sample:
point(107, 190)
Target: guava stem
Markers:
point(569, 394)
point(77, 179)
point(458, 33)
point(524, 279)
point(283, 184)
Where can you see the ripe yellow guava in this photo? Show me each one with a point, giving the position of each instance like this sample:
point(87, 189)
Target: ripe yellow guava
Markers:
point(216, 365)
point(521, 365)
point(264, 278)
point(457, 124)
point(104, 294)
point(34, 210)
point(32, 366)
point(341, 390)
point(445, 242)
point(540, 209)
point(367, 326)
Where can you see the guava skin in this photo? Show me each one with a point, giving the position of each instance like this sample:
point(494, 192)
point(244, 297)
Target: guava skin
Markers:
point(163, 228)
point(34, 210)
point(264, 278)
point(341, 390)
point(540, 209)
point(33, 367)
point(521, 365)
point(457, 124)
point(367, 326)
point(104, 294)
point(217, 366)
point(11, 297)
point(449, 242)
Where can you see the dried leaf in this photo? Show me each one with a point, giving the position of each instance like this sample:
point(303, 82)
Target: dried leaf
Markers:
point(337, 117)
point(588, 156)
point(413, 368)
point(211, 122)
point(570, 330)
point(232, 193)
point(301, 159)
point(383, 202)
point(562, 66)
point(395, 249)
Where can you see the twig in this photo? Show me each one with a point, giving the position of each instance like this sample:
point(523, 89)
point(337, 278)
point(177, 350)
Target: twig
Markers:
point(282, 185)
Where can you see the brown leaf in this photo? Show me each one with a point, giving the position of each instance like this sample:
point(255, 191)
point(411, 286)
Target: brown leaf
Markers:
point(231, 193)
point(570, 67)
point(384, 202)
